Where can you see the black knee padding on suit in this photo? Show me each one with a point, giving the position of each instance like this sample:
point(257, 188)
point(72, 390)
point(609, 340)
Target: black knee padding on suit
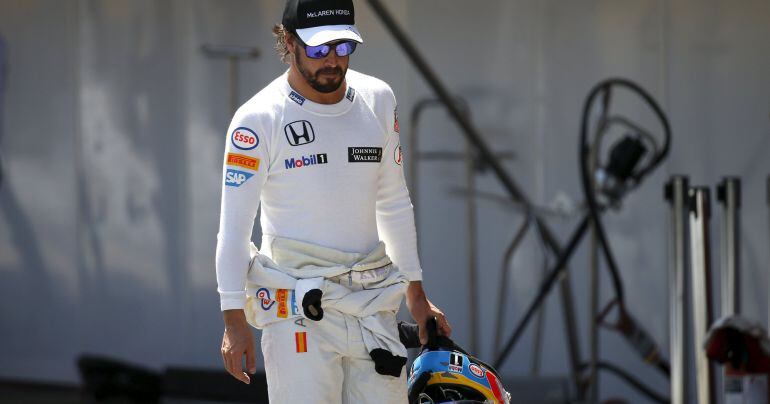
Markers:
point(385, 363)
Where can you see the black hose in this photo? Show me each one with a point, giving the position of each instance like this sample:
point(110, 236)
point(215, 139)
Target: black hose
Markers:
point(593, 207)
point(604, 89)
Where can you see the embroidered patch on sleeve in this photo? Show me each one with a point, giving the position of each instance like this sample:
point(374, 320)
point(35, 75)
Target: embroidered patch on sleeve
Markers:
point(300, 339)
point(395, 120)
point(234, 178)
point(240, 160)
point(281, 295)
point(244, 138)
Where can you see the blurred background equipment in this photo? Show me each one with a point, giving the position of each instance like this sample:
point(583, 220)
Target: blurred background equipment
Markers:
point(738, 344)
point(234, 55)
point(675, 193)
point(474, 137)
point(473, 164)
point(621, 173)
point(700, 253)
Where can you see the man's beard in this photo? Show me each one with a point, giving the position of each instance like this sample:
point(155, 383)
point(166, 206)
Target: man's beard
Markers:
point(313, 78)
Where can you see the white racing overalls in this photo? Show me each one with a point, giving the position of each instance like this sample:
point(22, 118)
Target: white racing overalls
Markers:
point(353, 353)
point(329, 175)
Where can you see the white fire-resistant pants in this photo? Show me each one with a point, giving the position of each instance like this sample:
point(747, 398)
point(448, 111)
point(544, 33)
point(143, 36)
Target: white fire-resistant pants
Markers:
point(326, 362)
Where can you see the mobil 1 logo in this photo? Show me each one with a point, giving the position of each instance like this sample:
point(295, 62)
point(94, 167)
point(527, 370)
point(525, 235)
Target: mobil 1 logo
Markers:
point(364, 154)
point(299, 133)
point(306, 161)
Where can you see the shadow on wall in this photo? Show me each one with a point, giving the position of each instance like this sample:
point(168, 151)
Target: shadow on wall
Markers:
point(108, 380)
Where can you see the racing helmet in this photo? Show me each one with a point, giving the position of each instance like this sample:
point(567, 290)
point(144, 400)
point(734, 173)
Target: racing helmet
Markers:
point(453, 376)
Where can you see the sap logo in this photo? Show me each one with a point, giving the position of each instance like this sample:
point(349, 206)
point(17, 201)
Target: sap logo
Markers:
point(265, 301)
point(297, 98)
point(244, 139)
point(294, 308)
point(305, 161)
point(299, 133)
point(234, 178)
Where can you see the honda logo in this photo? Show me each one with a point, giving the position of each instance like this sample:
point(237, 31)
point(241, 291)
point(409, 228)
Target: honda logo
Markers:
point(299, 133)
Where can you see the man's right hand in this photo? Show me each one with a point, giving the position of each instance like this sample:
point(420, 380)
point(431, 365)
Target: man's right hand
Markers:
point(236, 342)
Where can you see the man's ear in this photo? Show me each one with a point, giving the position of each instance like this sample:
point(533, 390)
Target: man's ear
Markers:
point(291, 42)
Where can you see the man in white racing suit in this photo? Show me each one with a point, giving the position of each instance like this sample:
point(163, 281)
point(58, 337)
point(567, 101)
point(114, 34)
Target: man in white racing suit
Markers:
point(318, 149)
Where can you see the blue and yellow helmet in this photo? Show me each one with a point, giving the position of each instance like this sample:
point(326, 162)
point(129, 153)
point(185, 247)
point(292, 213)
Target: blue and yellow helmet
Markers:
point(451, 376)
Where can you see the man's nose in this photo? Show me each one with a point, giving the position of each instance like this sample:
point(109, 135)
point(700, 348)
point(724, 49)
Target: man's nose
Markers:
point(331, 58)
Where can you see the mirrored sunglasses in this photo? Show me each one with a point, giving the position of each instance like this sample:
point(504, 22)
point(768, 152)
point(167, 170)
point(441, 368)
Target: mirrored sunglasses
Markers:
point(321, 51)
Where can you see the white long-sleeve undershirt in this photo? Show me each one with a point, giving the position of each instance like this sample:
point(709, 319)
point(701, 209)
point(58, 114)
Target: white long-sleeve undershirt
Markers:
point(325, 174)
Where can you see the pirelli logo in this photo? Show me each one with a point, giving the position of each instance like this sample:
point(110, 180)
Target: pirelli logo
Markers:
point(240, 160)
point(282, 295)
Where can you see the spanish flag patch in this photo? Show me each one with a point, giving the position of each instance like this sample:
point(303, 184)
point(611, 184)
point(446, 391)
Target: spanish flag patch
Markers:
point(300, 339)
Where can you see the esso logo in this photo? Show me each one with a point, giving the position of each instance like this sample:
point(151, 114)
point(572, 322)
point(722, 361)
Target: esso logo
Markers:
point(264, 298)
point(476, 370)
point(245, 139)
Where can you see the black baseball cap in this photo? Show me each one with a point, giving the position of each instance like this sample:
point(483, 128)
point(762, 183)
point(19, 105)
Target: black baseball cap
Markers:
point(317, 22)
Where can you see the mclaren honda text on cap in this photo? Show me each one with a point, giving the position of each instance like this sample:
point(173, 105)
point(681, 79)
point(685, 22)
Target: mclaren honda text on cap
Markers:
point(317, 22)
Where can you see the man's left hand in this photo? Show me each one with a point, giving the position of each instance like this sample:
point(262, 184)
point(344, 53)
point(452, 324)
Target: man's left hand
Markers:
point(422, 309)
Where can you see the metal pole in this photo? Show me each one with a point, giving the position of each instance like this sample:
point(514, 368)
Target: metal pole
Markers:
point(511, 187)
point(3, 77)
point(470, 175)
point(675, 193)
point(502, 295)
point(729, 196)
point(700, 213)
point(413, 152)
point(471, 240)
point(537, 339)
point(545, 287)
point(593, 326)
point(594, 283)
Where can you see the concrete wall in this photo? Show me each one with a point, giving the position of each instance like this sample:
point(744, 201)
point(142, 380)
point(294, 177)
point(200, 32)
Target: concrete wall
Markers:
point(112, 139)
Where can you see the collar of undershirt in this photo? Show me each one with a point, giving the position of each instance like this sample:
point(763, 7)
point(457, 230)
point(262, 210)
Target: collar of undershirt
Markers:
point(320, 109)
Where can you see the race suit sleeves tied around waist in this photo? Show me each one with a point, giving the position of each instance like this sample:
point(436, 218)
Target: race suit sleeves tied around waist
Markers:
point(277, 286)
